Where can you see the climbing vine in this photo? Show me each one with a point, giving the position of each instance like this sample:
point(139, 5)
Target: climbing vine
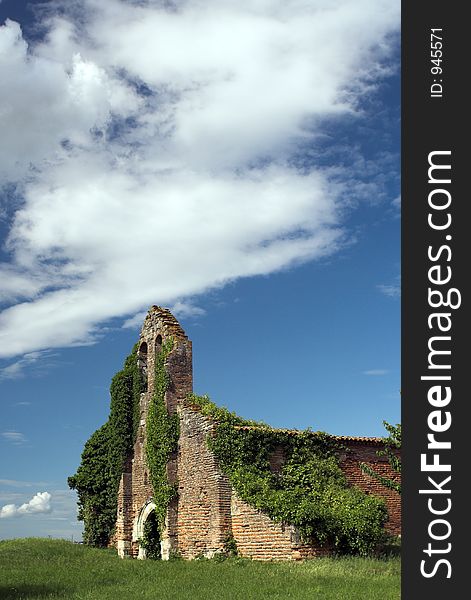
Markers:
point(151, 538)
point(97, 477)
point(230, 545)
point(309, 490)
point(162, 438)
point(392, 443)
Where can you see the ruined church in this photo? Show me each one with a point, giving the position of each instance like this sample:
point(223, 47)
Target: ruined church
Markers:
point(206, 506)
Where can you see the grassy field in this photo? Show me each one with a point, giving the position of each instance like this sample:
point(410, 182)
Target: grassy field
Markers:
point(39, 568)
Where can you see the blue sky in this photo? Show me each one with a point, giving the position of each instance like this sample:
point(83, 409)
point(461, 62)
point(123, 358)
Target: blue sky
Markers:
point(252, 188)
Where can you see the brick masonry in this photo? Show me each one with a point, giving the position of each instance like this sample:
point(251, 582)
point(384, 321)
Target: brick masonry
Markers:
point(364, 450)
point(207, 508)
point(135, 490)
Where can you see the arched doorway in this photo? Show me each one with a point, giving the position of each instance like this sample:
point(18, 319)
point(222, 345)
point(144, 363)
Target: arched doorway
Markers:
point(158, 344)
point(147, 533)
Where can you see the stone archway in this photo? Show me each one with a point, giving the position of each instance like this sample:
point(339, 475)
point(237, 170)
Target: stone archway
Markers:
point(145, 516)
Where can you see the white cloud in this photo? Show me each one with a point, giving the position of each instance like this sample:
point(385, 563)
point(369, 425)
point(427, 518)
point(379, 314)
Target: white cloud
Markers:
point(17, 369)
point(40, 503)
point(17, 483)
point(391, 290)
point(376, 372)
point(169, 244)
point(153, 147)
point(181, 309)
point(135, 322)
point(187, 309)
point(14, 437)
point(49, 100)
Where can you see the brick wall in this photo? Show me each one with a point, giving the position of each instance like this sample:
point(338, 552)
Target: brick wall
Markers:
point(365, 451)
point(135, 490)
point(208, 508)
point(204, 501)
point(258, 537)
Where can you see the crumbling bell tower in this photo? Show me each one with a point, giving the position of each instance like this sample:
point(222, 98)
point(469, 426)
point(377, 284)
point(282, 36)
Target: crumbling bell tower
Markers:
point(135, 490)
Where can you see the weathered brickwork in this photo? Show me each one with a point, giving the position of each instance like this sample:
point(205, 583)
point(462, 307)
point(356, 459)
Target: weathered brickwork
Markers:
point(204, 493)
point(364, 450)
point(207, 509)
point(258, 537)
point(135, 491)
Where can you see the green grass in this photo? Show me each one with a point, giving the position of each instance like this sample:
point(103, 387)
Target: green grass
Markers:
point(39, 568)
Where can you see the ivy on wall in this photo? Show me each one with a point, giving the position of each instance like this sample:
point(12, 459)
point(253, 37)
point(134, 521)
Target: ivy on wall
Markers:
point(97, 478)
point(151, 539)
point(162, 438)
point(310, 490)
point(392, 443)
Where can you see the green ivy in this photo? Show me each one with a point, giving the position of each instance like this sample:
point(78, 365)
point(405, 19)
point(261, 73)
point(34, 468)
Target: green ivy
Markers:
point(162, 438)
point(151, 539)
point(392, 443)
point(230, 545)
point(310, 491)
point(97, 478)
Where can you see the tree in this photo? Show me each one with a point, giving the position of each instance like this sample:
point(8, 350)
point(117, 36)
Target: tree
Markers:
point(97, 478)
point(392, 443)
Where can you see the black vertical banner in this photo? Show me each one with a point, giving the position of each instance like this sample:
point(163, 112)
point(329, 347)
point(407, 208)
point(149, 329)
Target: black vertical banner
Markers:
point(435, 303)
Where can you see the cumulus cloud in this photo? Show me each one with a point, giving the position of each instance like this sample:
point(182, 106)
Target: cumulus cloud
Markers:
point(40, 503)
point(48, 102)
point(153, 149)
